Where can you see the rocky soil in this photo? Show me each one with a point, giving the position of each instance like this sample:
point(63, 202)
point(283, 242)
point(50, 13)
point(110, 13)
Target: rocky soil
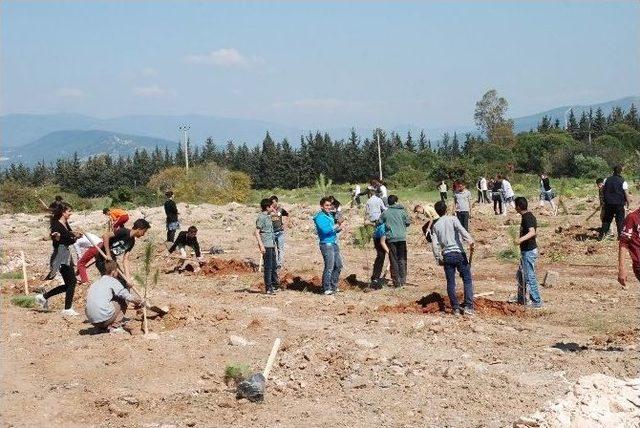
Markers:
point(359, 358)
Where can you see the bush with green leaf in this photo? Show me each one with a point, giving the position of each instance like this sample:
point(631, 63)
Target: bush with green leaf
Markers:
point(203, 183)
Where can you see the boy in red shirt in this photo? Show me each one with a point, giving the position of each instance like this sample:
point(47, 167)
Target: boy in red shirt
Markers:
point(629, 239)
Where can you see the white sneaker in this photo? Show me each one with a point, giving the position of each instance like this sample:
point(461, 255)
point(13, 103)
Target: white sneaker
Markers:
point(328, 292)
point(69, 313)
point(117, 330)
point(42, 302)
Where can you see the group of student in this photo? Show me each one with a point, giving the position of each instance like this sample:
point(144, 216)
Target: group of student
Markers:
point(107, 298)
point(390, 220)
point(73, 251)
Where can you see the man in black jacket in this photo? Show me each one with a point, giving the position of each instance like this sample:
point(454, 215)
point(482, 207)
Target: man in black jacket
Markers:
point(187, 238)
point(171, 210)
point(615, 194)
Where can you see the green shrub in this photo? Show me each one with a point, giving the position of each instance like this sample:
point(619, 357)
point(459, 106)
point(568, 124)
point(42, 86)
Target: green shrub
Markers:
point(121, 195)
point(203, 183)
point(407, 177)
point(16, 197)
point(591, 166)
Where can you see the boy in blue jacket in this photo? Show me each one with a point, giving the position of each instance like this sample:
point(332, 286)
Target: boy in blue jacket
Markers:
point(327, 230)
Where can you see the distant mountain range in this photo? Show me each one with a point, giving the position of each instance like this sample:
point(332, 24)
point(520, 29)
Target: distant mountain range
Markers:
point(62, 144)
point(29, 138)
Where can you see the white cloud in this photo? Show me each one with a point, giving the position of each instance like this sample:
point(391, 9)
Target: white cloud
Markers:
point(148, 72)
point(70, 93)
point(149, 91)
point(226, 57)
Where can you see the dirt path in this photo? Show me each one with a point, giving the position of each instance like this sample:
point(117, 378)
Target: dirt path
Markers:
point(347, 360)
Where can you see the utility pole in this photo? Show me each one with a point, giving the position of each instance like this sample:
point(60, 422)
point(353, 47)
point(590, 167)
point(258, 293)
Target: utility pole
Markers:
point(185, 144)
point(379, 153)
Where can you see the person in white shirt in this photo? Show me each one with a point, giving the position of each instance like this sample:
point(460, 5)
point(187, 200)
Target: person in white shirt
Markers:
point(509, 196)
point(442, 188)
point(86, 252)
point(355, 197)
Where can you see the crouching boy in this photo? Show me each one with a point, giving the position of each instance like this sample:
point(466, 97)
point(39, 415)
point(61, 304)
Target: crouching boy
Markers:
point(449, 252)
point(187, 238)
point(107, 300)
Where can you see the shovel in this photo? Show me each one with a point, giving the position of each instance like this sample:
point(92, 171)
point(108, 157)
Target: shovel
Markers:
point(156, 309)
point(252, 388)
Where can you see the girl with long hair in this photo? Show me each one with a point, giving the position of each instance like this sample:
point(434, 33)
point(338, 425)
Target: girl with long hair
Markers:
point(62, 237)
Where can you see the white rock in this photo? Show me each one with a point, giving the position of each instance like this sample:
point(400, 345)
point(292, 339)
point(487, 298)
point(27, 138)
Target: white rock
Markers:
point(238, 341)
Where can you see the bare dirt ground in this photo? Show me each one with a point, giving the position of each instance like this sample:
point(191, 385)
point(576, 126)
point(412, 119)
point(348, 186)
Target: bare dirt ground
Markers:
point(359, 358)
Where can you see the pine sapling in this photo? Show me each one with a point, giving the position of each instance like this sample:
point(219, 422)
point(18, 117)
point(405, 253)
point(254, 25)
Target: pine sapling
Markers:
point(147, 279)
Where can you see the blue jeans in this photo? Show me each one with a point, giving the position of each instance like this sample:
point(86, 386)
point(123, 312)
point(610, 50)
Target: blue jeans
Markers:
point(528, 264)
point(458, 261)
point(278, 237)
point(269, 266)
point(332, 266)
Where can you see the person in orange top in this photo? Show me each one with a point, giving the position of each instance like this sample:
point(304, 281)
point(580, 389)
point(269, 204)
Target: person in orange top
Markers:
point(117, 217)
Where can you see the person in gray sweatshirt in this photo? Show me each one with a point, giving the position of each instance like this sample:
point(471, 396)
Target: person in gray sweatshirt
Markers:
point(449, 252)
point(396, 220)
point(107, 300)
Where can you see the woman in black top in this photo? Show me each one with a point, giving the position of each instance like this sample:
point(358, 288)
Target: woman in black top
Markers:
point(62, 238)
point(496, 195)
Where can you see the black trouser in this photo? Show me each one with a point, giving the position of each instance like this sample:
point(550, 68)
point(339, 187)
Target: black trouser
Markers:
point(443, 196)
point(379, 261)
point(171, 235)
point(611, 211)
point(69, 286)
point(497, 203)
point(485, 196)
point(398, 261)
point(480, 196)
point(463, 216)
point(269, 265)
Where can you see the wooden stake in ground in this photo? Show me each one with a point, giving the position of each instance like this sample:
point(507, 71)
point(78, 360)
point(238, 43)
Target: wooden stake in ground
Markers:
point(272, 358)
point(24, 274)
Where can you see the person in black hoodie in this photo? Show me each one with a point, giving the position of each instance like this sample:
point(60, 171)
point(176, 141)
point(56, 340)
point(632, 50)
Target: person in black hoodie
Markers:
point(62, 237)
point(188, 238)
point(615, 194)
point(171, 211)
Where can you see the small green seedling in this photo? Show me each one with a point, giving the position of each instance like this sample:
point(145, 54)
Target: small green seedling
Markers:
point(24, 301)
point(236, 372)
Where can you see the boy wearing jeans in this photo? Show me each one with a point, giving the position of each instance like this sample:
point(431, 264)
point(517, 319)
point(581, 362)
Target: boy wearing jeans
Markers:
point(266, 243)
point(327, 231)
point(528, 254)
point(462, 200)
point(449, 252)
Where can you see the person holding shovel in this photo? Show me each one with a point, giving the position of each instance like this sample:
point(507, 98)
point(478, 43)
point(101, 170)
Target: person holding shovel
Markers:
point(528, 254)
point(449, 253)
point(120, 243)
point(107, 301)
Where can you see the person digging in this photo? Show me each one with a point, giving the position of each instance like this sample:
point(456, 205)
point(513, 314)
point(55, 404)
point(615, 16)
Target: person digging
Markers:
point(188, 238)
point(107, 301)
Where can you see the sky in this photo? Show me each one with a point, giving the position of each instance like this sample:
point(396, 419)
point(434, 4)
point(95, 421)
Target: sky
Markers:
point(315, 64)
